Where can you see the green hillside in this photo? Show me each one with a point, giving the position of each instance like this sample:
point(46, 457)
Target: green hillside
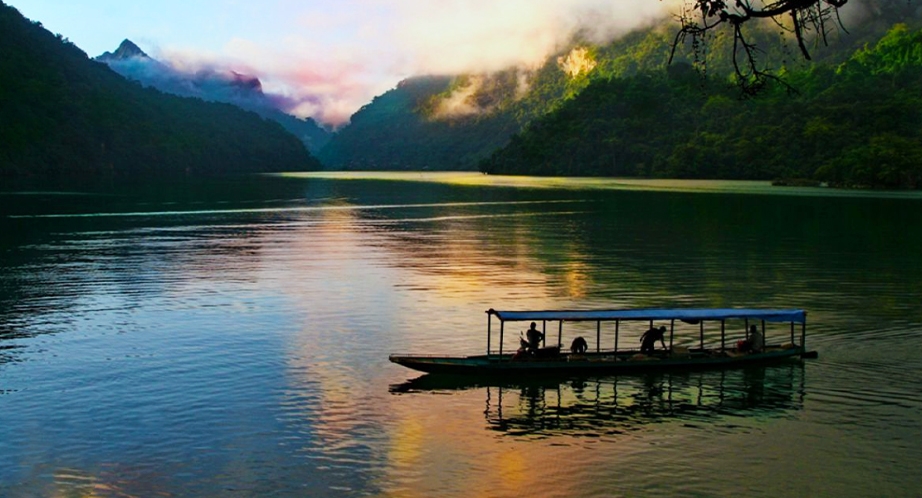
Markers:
point(394, 132)
point(418, 125)
point(405, 130)
point(63, 115)
point(858, 123)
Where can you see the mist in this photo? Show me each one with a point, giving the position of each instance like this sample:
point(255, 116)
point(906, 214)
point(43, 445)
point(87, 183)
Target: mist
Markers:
point(323, 60)
point(326, 59)
point(327, 64)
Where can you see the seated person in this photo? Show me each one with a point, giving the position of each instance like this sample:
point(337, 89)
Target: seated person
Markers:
point(534, 337)
point(754, 343)
point(579, 346)
point(649, 338)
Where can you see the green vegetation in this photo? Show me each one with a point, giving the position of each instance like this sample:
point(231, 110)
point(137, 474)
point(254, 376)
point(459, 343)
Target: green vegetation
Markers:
point(854, 124)
point(395, 132)
point(619, 109)
point(63, 115)
point(628, 112)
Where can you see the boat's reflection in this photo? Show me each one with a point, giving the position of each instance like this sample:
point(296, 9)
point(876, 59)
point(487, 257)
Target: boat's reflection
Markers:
point(617, 404)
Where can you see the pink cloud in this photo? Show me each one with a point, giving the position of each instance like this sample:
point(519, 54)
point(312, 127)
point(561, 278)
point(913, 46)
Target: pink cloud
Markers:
point(329, 59)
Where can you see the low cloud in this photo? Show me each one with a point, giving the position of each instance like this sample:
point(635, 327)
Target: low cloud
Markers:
point(484, 36)
point(205, 80)
point(328, 62)
point(459, 103)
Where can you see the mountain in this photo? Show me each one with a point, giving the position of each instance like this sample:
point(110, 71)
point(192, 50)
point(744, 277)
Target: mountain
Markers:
point(857, 123)
point(455, 121)
point(125, 51)
point(64, 115)
point(394, 132)
point(214, 85)
point(449, 122)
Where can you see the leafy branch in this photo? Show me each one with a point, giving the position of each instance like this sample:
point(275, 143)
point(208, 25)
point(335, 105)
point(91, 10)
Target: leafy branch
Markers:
point(798, 17)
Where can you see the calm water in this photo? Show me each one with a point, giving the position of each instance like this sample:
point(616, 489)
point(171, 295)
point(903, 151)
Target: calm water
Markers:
point(231, 338)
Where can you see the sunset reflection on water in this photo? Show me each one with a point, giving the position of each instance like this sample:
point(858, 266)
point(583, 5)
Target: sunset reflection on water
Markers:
point(153, 343)
point(541, 428)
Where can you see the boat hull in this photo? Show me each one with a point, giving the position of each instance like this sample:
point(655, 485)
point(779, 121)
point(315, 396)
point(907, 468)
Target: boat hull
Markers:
point(592, 363)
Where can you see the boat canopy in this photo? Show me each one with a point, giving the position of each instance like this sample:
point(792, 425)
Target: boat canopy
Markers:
point(687, 315)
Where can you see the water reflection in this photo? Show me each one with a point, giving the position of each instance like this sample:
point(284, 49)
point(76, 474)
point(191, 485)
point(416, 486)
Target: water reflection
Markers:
point(235, 341)
point(614, 405)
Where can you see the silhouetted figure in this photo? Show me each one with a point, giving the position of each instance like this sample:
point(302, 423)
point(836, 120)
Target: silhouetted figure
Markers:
point(754, 343)
point(649, 338)
point(579, 346)
point(534, 337)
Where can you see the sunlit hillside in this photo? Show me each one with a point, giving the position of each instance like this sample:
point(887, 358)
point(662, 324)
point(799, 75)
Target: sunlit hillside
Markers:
point(455, 122)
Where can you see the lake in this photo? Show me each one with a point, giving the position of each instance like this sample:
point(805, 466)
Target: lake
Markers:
point(231, 338)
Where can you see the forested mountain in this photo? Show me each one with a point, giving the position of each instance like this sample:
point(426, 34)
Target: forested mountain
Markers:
point(62, 114)
point(213, 85)
point(637, 108)
point(394, 133)
point(858, 123)
point(445, 122)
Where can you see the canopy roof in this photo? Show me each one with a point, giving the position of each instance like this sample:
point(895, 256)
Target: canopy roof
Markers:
point(691, 315)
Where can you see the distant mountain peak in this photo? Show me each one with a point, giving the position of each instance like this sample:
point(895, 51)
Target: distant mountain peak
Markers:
point(126, 50)
point(246, 82)
point(211, 83)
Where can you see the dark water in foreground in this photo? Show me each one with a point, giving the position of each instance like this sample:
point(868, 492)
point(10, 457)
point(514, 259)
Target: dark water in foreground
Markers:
point(231, 339)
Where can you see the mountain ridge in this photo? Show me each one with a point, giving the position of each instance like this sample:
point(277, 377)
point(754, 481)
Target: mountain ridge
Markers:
point(214, 85)
point(852, 124)
point(126, 50)
point(65, 115)
point(494, 109)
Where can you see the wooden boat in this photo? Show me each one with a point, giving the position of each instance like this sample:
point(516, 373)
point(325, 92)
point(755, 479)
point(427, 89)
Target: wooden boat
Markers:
point(554, 359)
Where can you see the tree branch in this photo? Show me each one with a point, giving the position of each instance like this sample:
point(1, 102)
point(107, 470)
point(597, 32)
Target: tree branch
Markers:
point(703, 16)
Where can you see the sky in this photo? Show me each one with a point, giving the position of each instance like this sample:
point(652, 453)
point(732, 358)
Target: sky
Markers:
point(330, 57)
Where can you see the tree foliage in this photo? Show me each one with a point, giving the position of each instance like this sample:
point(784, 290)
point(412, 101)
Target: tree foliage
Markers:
point(798, 17)
point(852, 124)
point(397, 131)
point(62, 114)
point(811, 25)
point(402, 129)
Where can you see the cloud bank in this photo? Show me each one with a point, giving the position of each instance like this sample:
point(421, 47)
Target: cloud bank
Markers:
point(325, 60)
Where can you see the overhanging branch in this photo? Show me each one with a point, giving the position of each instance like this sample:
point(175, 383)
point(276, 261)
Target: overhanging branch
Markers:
point(702, 16)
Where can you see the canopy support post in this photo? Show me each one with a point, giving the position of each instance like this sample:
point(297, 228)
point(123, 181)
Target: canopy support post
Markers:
point(792, 333)
point(671, 332)
point(617, 324)
point(543, 333)
point(803, 335)
point(598, 336)
point(723, 335)
point(560, 332)
point(489, 325)
point(502, 327)
point(762, 346)
point(701, 334)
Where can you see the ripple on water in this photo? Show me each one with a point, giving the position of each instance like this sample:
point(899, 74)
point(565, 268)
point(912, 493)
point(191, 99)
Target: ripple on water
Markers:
point(241, 348)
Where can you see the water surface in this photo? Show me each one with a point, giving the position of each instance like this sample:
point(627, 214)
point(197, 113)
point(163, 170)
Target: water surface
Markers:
point(230, 338)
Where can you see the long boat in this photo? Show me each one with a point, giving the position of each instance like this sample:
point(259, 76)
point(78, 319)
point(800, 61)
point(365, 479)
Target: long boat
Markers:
point(788, 342)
